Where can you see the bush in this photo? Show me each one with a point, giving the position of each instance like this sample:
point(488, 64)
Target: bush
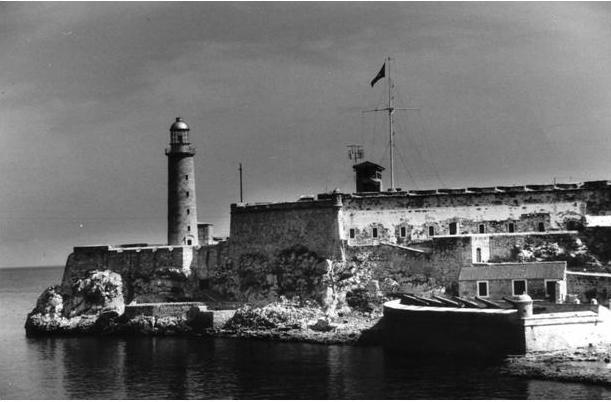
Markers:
point(361, 300)
point(284, 313)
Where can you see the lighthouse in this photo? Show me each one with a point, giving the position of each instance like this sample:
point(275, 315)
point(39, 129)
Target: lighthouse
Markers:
point(182, 211)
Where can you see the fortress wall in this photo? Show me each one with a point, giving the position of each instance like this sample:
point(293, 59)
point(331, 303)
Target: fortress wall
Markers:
point(501, 247)
point(597, 196)
point(401, 270)
point(274, 249)
point(208, 257)
point(149, 274)
point(567, 330)
point(418, 329)
point(589, 285)
point(273, 227)
point(427, 330)
point(364, 216)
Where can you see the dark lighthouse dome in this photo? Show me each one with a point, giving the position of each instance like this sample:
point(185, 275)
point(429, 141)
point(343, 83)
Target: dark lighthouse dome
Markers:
point(179, 125)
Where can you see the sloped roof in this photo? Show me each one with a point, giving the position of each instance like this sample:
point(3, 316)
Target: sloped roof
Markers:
point(527, 270)
point(368, 165)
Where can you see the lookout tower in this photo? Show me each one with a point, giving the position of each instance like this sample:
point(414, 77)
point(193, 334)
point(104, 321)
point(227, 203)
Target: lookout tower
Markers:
point(368, 177)
point(182, 212)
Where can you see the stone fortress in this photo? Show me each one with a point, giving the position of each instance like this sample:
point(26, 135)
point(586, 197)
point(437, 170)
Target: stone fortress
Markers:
point(381, 242)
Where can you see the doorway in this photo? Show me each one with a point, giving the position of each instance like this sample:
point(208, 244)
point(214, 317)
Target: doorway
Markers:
point(550, 290)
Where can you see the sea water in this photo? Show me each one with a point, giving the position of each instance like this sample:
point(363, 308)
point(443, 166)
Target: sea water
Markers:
point(190, 368)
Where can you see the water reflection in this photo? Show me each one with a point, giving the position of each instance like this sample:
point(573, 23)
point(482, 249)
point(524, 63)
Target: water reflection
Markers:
point(161, 368)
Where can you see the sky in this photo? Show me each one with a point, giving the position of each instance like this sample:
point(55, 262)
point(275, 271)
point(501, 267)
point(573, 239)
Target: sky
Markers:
point(507, 93)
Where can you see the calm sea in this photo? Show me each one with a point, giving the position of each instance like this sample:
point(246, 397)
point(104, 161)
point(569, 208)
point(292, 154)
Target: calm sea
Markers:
point(162, 368)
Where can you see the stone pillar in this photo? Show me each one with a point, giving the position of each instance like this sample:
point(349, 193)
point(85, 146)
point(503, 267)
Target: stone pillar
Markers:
point(524, 304)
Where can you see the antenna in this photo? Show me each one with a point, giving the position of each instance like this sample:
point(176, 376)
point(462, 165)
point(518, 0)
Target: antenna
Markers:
point(390, 109)
point(241, 194)
point(355, 152)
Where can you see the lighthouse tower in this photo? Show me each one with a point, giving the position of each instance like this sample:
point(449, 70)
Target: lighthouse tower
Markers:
point(182, 213)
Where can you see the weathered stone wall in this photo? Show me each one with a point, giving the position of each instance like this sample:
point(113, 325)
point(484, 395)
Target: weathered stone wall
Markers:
point(269, 240)
point(361, 216)
point(430, 330)
point(150, 274)
point(502, 248)
point(589, 285)
point(569, 330)
point(266, 229)
point(416, 329)
point(161, 309)
point(402, 270)
point(275, 249)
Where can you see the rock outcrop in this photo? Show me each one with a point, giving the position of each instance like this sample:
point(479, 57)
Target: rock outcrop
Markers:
point(95, 305)
point(94, 301)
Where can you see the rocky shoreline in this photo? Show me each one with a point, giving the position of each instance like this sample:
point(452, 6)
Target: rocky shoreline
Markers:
point(96, 307)
point(588, 365)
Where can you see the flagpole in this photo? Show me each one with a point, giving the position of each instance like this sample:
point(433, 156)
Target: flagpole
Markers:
point(385, 72)
point(390, 129)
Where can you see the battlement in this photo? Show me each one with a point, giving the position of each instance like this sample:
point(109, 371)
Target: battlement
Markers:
point(324, 200)
point(128, 247)
point(269, 206)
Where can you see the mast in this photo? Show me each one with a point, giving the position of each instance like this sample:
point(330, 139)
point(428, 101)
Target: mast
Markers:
point(241, 193)
point(390, 108)
point(390, 128)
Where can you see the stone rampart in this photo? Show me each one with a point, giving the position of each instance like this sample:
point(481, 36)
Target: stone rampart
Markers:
point(438, 330)
point(567, 330)
point(434, 269)
point(268, 228)
point(434, 330)
point(589, 285)
point(154, 273)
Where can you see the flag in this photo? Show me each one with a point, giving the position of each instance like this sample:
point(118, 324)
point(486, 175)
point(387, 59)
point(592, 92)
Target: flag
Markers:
point(380, 75)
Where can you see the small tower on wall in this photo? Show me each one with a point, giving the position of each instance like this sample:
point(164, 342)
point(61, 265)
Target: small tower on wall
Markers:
point(182, 211)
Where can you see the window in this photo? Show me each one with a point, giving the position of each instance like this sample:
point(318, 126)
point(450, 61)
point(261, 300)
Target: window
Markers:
point(519, 287)
point(187, 193)
point(403, 231)
point(541, 227)
point(478, 255)
point(352, 233)
point(431, 231)
point(453, 228)
point(189, 242)
point(188, 228)
point(482, 288)
point(511, 227)
point(374, 232)
point(186, 177)
point(188, 212)
point(482, 228)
